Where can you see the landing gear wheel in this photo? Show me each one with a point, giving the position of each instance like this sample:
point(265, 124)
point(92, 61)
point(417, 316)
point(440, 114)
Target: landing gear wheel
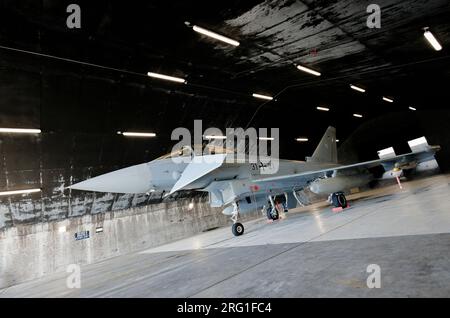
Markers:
point(272, 214)
point(342, 200)
point(237, 229)
point(339, 200)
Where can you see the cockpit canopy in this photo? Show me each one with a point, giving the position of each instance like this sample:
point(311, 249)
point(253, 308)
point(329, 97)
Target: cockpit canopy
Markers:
point(187, 151)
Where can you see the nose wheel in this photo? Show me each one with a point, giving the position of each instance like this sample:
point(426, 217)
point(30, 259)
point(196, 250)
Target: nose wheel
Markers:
point(237, 229)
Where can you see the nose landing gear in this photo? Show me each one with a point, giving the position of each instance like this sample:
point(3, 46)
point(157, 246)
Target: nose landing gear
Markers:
point(237, 228)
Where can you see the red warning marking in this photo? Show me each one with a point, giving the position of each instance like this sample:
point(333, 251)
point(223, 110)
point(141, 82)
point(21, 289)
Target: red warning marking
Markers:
point(254, 188)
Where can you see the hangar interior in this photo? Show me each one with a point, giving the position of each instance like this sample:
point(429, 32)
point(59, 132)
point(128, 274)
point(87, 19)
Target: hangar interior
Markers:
point(82, 88)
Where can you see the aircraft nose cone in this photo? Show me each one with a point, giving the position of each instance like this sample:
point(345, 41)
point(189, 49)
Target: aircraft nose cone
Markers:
point(134, 179)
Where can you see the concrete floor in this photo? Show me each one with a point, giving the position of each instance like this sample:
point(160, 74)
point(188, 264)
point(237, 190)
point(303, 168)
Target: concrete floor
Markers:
point(312, 253)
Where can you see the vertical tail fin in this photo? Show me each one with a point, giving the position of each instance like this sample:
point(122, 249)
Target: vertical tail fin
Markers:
point(326, 151)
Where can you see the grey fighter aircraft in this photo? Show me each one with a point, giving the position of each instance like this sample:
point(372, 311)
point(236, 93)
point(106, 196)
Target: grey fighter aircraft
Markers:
point(243, 187)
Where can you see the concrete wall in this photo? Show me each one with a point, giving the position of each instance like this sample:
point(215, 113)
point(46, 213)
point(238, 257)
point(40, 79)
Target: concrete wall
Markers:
point(28, 251)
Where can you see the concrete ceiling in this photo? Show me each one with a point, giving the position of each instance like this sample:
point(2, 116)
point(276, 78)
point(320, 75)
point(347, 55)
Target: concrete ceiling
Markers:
point(329, 36)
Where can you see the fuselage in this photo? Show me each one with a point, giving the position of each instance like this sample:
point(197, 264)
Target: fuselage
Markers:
point(165, 173)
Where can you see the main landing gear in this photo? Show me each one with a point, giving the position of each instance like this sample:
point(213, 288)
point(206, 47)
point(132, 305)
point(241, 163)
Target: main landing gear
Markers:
point(271, 210)
point(277, 207)
point(272, 213)
point(339, 200)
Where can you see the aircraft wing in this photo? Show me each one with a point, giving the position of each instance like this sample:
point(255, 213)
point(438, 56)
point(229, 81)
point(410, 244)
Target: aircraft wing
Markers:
point(200, 166)
point(399, 160)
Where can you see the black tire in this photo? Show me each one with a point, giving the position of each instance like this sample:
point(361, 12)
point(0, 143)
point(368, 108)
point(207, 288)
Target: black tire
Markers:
point(272, 216)
point(342, 200)
point(334, 200)
point(237, 229)
point(339, 200)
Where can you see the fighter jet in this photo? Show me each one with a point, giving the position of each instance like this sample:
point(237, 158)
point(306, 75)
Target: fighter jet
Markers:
point(243, 187)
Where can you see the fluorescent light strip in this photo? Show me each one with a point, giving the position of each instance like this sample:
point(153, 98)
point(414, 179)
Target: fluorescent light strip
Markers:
point(215, 35)
point(388, 99)
point(166, 77)
point(432, 40)
point(266, 138)
point(411, 108)
point(357, 115)
point(323, 109)
point(302, 139)
point(2, 193)
point(418, 142)
point(214, 137)
point(20, 131)
point(136, 134)
point(356, 88)
point(308, 70)
point(262, 96)
point(337, 140)
point(387, 151)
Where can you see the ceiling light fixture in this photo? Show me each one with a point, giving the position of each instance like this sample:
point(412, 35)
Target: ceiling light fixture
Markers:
point(432, 40)
point(302, 139)
point(266, 138)
point(337, 140)
point(2, 193)
point(357, 115)
point(325, 109)
point(20, 131)
point(389, 100)
point(262, 96)
point(136, 134)
point(412, 108)
point(356, 88)
point(166, 77)
point(417, 142)
point(308, 70)
point(215, 35)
